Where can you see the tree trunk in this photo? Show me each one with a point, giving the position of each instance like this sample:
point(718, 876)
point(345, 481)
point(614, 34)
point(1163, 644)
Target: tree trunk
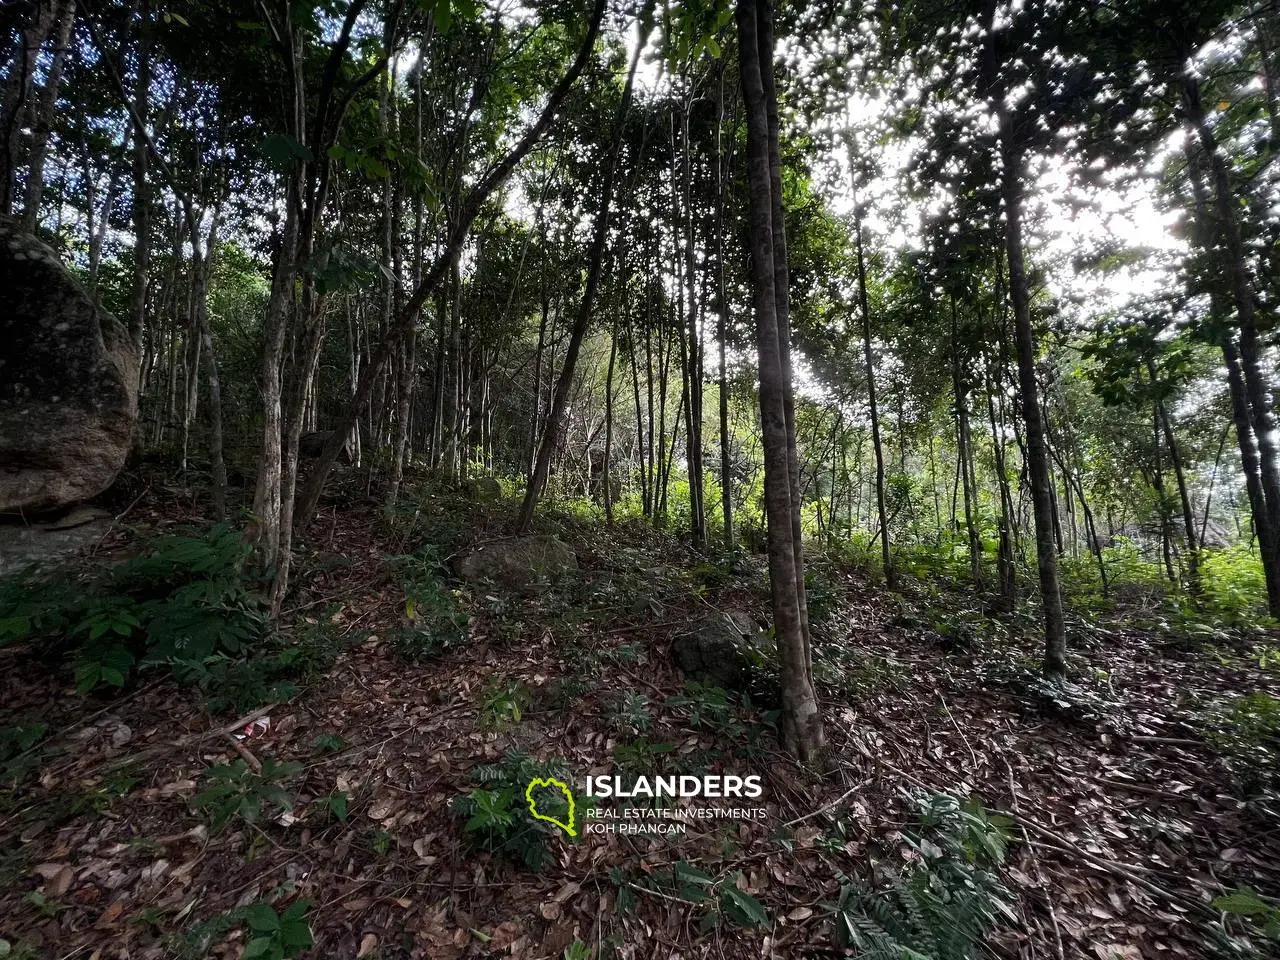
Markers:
point(408, 314)
point(44, 114)
point(864, 304)
point(802, 731)
point(1055, 642)
point(560, 400)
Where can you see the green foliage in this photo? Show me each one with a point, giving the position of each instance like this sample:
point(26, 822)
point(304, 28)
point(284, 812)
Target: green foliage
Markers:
point(1246, 904)
point(272, 934)
point(497, 818)
point(235, 790)
point(721, 898)
point(434, 621)
point(944, 902)
point(631, 715)
point(709, 707)
point(184, 602)
point(1233, 585)
point(503, 703)
point(18, 750)
point(276, 936)
point(1247, 730)
point(640, 756)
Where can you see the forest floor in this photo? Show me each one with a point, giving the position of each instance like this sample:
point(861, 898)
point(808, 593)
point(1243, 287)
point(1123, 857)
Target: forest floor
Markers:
point(1127, 818)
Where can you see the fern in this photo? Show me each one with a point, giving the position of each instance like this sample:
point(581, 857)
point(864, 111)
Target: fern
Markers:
point(943, 905)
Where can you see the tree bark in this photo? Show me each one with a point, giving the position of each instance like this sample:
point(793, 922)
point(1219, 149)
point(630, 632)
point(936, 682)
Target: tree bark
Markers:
point(802, 731)
point(1055, 641)
point(551, 435)
point(864, 304)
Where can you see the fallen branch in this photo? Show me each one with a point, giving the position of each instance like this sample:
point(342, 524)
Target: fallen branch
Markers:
point(830, 806)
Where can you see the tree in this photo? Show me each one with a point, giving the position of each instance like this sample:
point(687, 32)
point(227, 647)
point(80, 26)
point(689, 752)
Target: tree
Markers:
point(801, 721)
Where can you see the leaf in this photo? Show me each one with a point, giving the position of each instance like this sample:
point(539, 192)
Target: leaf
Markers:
point(262, 918)
point(1242, 903)
point(280, 149)
point(743, 907)
point(338, 805)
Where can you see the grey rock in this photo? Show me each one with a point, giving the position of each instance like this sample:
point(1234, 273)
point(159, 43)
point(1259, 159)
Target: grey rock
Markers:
point(518, 562)
point(68, 383)
point(24, 544)
point(724, 648)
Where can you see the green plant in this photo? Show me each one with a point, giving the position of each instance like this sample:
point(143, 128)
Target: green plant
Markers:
point(1247, 730)
point(1246, 904)
point(944, 902)
point(328, 742)
point(433, 620)
point(18, 755)
point(709, 707)
point(642, 757)
point(48, 908)
point(503, 703)
point(632, 714)
point(272, 934)
point(235, 790)
point(185, 602)
point(576, 951)
point(721, 897)
point(497, 818)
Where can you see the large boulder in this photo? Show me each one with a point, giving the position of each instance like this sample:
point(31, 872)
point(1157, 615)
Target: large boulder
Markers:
point(726, 649)
point(68, 383)
point(518, 562)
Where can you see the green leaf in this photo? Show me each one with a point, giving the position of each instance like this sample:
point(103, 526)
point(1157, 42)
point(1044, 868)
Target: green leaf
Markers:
point(1242, 903)
point(262, 918)
point(338, 805)
point(280, 149)
point(743, 907)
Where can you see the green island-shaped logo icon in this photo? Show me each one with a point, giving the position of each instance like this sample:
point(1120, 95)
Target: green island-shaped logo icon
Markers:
point(533, 804)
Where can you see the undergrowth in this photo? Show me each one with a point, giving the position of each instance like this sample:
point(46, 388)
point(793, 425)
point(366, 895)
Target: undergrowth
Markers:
point(945, 901)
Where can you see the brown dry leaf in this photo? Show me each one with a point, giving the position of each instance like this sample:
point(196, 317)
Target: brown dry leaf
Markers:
point(57, 878)
point(800, 913)
point(368, 943)
point(111, 914)
point(565, 892)
point(550, 910)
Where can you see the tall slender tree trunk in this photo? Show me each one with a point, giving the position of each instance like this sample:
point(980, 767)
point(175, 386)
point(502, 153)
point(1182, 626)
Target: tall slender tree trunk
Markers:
point(1251, 456)
point(44, 114)
point(722, 333)
point(559, 402)
point(1055, 639)
point(802, 731)
point(864, 304)
point(1240, 283)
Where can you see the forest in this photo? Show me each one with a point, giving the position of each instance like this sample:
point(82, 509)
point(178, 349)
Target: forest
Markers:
point(639, 478)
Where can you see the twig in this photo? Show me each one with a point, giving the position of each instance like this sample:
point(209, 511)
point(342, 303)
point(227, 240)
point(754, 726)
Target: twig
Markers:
point(664, 896)
point(973, 756)
point(830, 806)
point(254, 764)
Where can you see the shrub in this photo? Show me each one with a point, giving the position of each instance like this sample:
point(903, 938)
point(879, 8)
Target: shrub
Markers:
point(497, 817)
point(187, 603)
point(235, 790)
point(943, 904)
point(1247, 730)
point(184, 600)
